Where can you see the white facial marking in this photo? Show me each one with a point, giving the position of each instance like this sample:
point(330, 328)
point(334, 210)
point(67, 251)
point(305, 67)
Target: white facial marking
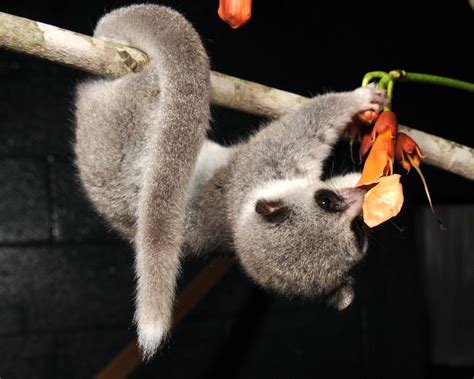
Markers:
point(273, 190)
point(344, 181)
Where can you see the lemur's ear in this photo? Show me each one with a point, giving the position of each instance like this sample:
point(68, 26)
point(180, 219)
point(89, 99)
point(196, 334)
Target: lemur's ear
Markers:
point(266, 207)
point(271, 210)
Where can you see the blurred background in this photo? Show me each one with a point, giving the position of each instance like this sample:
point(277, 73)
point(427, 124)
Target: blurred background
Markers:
point(66, 280)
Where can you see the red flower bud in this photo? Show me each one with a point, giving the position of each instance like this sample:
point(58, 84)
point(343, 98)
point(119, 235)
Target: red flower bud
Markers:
point(386, 121)
point(407, 152)
point(368, 117)
point(235, 12)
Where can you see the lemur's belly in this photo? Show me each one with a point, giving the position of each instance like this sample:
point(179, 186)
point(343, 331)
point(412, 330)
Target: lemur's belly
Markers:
point(206, 224)
point(211, 158)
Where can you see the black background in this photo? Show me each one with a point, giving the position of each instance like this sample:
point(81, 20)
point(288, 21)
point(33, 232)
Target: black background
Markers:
point(66, 282)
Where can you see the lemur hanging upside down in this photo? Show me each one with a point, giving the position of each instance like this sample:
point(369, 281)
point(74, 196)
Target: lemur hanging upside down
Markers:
point(145, 164)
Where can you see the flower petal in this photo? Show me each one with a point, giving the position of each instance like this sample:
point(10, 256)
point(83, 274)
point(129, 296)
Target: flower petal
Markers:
point(383, 201)
point(365, 144)
point(386, 121)
point(405, 143)
point(380, 160)
point(407, 152)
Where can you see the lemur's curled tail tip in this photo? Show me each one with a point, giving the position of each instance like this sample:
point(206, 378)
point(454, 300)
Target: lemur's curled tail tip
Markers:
point(150, 338)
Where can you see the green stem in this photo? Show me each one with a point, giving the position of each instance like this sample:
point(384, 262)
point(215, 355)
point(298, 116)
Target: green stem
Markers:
point(401, 75)
point(383, 82)
point(387, 81)
point(390, 86)
point(434, 79)
point(371, 76)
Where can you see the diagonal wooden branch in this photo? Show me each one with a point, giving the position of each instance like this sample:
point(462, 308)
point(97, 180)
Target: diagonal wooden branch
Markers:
point(113, 60)
point(128, 359)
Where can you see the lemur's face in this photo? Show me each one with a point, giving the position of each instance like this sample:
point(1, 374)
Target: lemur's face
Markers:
point(302, 239)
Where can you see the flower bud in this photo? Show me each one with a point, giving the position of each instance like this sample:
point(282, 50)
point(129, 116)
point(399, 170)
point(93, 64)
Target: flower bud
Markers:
point(235, 12)
point(368, 117)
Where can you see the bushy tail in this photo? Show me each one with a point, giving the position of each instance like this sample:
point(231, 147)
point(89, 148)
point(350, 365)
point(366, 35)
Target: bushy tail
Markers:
point(176, 117)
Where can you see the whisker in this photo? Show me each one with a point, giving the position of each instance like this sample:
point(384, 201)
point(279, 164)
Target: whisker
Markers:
point(307, 176)
point(399, 228)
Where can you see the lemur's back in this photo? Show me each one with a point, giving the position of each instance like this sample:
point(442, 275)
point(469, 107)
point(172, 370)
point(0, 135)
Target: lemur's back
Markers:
point(110, 141)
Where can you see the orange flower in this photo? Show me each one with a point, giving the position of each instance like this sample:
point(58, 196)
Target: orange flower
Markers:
point(383, 201)
point(385, 197)
point(386, 121)
point(408, 154)
point(235, 12)
point(366, 144)
point(380, 160)
point(407, 148)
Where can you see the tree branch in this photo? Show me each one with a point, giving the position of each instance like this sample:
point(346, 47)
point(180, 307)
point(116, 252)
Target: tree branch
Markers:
point(113, 60)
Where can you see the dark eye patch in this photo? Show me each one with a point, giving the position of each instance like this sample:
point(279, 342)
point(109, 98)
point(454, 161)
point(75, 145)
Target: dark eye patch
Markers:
point(329, 201)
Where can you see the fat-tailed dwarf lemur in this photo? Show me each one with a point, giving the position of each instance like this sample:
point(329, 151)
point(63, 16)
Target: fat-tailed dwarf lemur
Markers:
point(146, 165)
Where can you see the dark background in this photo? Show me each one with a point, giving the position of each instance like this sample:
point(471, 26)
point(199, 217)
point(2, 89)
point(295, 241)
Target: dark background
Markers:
point(66, 281)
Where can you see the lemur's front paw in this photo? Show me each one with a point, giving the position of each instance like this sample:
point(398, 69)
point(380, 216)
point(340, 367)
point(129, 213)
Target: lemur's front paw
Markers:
point(370, 98)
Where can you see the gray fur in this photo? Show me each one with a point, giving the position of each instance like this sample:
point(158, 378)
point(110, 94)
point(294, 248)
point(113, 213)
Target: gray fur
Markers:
point(311, 250)
point(142, 162)
point(136, 149)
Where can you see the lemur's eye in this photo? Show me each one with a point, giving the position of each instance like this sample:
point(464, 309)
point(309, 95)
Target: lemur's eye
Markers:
point(329, 201)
